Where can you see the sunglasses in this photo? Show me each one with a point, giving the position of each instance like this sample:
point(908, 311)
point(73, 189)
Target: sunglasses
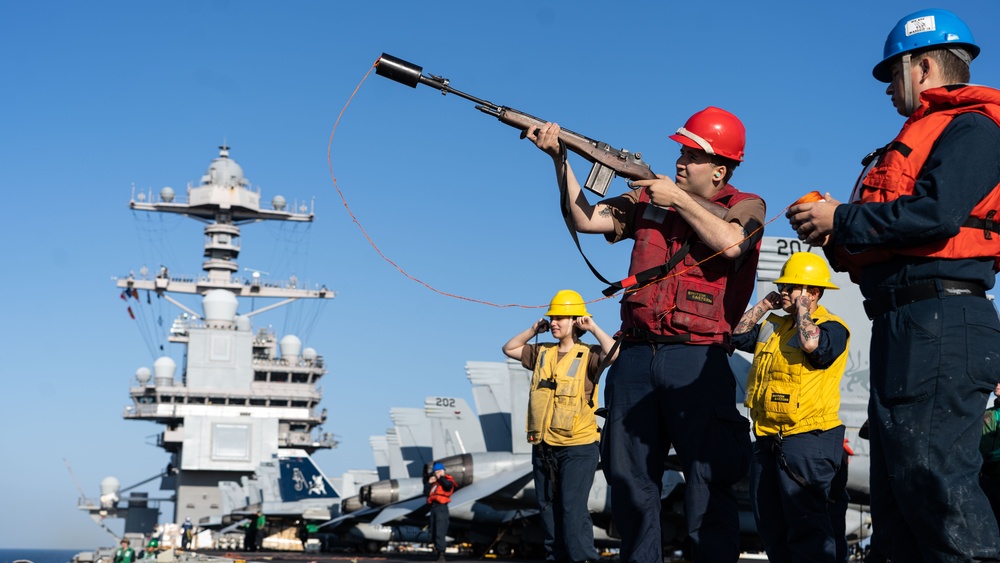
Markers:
point(783, 287)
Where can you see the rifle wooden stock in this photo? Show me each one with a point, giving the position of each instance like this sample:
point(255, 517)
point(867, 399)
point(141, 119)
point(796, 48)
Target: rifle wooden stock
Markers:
point(622, 162)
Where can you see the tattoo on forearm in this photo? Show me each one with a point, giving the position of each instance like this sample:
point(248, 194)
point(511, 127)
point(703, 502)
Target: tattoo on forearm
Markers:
point(749, 319)
point(807, 328)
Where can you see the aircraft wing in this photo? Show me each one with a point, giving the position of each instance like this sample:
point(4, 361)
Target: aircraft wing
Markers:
point(233, 526)
point(398, 510)
point(350, 516)
point(462, 497)
point(486, 487)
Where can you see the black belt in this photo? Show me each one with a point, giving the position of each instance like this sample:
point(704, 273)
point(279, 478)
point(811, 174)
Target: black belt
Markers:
point(649, 336)
point(933, 289)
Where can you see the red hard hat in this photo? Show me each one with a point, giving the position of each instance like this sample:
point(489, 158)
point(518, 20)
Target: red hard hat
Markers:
point(715, 131)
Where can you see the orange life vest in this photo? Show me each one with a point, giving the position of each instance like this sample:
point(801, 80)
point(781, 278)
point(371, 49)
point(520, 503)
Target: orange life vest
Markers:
point(701, 297)
point(900, 163)
point(438, 494)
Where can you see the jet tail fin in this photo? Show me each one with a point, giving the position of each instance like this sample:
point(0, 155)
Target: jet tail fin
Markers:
point(300, 478)
point(501, 393)
point(455, 428)
point(414, 431)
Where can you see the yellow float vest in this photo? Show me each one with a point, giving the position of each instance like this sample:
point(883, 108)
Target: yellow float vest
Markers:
point(785, 394)
point(559, 413)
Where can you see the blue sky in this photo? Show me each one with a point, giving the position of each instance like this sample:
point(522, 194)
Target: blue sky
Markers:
point(99, 96)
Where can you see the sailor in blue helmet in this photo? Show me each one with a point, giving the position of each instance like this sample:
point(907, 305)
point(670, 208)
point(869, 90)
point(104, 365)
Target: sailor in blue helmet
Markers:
point(920, 236)
point(442, 487)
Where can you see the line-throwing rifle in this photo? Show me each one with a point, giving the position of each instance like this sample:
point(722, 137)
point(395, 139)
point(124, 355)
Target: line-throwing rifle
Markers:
point(608, 161)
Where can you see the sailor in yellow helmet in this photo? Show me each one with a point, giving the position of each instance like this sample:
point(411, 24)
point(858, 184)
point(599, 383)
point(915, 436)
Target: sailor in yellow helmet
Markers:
point(562, 426)
point(793, 392)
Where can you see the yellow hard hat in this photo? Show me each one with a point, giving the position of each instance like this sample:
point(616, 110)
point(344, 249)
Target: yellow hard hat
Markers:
point(567, 303)
point(805, 268)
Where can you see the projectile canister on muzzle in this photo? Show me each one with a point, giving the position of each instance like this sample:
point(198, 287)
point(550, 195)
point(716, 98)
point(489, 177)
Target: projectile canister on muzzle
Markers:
point(398, 70)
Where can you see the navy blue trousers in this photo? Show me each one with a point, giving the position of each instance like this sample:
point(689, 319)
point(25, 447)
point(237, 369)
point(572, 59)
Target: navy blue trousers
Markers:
point(439, 521)
point(933, 364)
point(563, 478)
point(838, 507)
point(685, 396)
point(793, 519)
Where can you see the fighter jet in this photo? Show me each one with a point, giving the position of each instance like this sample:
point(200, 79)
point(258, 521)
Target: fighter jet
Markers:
point(380, 451)
point(289, 489)
point(472, 521)
point(445, 426)
point(494, 505)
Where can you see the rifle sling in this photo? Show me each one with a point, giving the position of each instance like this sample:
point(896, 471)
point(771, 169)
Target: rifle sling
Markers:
point(650, 274)
point(613, 287)
point(567, 217)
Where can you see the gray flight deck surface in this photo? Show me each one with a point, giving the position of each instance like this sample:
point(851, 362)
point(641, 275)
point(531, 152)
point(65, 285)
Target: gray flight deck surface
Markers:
point(410, 557)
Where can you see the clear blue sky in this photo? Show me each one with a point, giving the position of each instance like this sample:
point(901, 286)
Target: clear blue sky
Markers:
point(99, 96)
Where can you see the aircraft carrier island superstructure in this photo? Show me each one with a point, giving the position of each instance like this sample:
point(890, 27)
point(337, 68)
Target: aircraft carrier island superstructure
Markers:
point(241, 396)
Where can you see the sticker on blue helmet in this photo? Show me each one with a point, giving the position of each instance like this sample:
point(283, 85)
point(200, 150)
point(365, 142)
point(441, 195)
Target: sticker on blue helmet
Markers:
point(920, 25)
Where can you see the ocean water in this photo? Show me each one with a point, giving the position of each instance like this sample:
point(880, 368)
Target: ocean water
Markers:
point(39, 555)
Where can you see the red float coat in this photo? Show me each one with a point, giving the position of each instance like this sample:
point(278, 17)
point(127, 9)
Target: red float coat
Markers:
point(438, 494)
point(896, 173)
point(704, 296)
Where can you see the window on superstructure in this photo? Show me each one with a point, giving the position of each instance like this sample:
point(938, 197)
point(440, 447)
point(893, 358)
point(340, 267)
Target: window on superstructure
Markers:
point(279, 377)
point(231, 442)
point(300, 378)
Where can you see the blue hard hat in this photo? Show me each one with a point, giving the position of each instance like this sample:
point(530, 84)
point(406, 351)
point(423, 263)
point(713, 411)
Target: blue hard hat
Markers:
point(438, 465)
point(925, 28)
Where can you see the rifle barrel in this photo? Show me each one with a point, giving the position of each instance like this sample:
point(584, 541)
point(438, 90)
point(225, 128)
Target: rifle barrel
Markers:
point(410, 74)
point(622, 162)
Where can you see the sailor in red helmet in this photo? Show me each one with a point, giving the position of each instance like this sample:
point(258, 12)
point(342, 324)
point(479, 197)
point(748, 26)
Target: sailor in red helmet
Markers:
point(921, 239)
point(694, 258)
